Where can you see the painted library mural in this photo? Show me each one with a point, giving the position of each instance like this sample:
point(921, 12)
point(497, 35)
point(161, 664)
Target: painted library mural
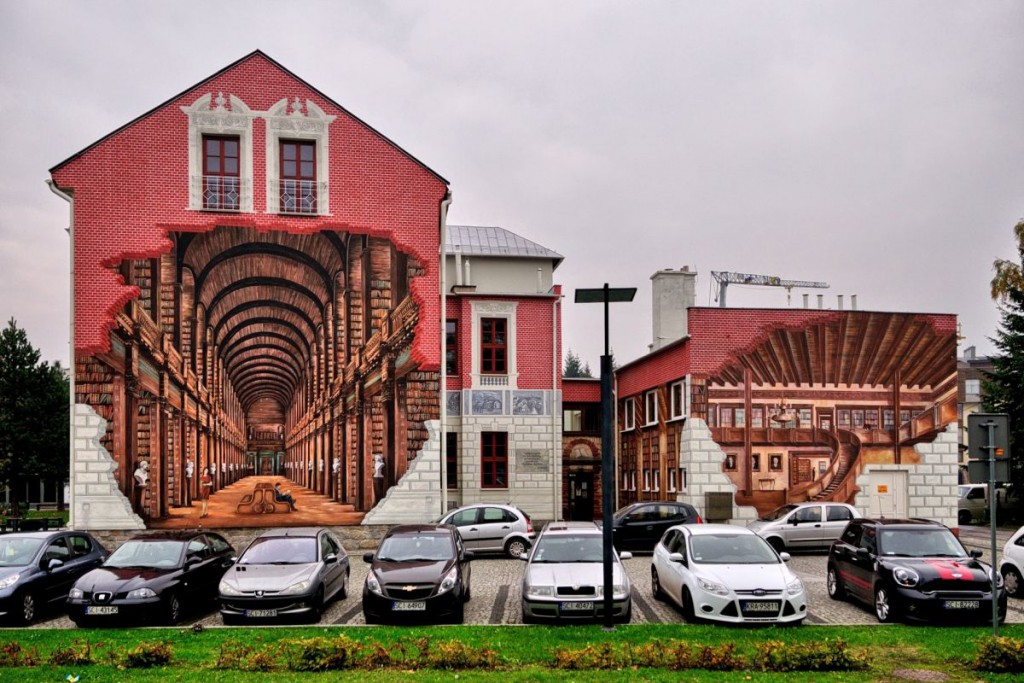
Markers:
point(800, 410)
point(255, 300)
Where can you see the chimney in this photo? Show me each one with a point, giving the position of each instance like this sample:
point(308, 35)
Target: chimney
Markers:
point(840, 296)
point(458, 265)
point(807, 298)
point(673, 292)
point(469, 280)
point(853, 302)
point(821, 301)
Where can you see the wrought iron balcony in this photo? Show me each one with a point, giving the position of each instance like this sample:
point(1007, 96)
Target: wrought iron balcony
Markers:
point(299, 196)
point(222, 193)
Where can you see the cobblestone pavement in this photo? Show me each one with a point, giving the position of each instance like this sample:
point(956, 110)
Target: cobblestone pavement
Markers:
point(496, 592)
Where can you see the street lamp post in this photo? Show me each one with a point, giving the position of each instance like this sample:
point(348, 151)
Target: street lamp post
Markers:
point(606, 295)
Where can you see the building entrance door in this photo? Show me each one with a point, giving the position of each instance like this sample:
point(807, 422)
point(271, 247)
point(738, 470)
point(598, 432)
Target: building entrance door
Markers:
point(581, 496)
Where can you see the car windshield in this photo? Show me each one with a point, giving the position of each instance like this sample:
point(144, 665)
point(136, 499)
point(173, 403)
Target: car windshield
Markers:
point(962, 491)
point(779, 513)
point(416, 548)
point(731, 549)
point(569, 548)
point(919, 543)
point(146, 555)
point(280, 550)
point(18, 552)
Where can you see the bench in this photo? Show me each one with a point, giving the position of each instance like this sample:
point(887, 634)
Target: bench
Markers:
point(261, 501)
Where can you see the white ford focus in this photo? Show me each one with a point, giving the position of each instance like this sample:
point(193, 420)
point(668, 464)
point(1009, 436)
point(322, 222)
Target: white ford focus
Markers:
point(726, 573)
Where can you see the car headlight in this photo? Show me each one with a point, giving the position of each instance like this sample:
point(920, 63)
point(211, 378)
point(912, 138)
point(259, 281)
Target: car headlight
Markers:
point(226, 588)
point(373, 584)
point(540, 591)
point(999, 580)
point(905, 577)
point(300, 587)
point(449, 581)
point(75, 594)
point(712, 587)
point(141, 593)
point(9, 581)
point(795, 587)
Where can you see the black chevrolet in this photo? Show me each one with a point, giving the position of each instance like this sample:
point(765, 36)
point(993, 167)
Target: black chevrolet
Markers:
point(913, 569)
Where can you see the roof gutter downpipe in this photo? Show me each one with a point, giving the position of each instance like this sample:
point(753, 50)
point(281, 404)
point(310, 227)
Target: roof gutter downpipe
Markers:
point(71, 342)
point(442, 370)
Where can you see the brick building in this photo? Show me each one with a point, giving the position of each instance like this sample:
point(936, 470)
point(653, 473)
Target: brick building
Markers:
point(777, 406)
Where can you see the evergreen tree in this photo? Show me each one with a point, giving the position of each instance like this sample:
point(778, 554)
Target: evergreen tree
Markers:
point(1003, 387)
point(34, 432)
point(574, 367)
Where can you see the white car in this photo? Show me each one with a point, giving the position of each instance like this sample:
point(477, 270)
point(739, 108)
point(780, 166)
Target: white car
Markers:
point(1012, 564)
point(726, 573)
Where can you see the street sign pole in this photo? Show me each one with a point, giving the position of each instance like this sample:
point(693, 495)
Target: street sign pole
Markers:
point(990, 446)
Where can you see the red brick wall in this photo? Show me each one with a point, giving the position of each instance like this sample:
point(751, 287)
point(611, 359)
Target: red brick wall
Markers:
point(667, 365)
point(131, 190)
point(581, 390)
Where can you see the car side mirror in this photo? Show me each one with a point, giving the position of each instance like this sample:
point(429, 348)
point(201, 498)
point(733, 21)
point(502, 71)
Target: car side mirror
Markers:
point(192, 560)
point(794, 521)
point(784, 557)
point(467, 555)
point(976, 554)
point(330, 559)
point(677, 557)
point(524, 556)
point(863, 552)
point(368, 557)
point(626, 555)
point(54, 564)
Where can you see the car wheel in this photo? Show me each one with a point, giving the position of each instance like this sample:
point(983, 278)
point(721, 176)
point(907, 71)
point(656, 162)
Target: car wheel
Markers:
point(628, 616)
point(343, 591)
point(515, 547)
point(884, 609)
point(964, 517)
point(172, 610)
point(835, 588)
point(1012, 580)
point(777, 543)
point(27, 607)
point(689, 613)
point(656, 589)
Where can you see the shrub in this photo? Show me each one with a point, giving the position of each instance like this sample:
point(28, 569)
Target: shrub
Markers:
point(999, 655)
point(79, 653)
point(712, 658)
point(320, 654)
point(12, 654)
point(148, 655)
point(243, 657)
point(454, 655)
point(602, 656)
point(828, 655)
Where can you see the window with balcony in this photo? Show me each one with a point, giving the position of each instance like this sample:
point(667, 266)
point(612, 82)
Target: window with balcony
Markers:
point(493, 346)
point(494, 460)
point(221, 173)
point(451, 347)
point(297, 178)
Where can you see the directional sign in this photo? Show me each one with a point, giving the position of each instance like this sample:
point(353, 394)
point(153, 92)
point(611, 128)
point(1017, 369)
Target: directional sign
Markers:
point(979, 428)
point(977, 471)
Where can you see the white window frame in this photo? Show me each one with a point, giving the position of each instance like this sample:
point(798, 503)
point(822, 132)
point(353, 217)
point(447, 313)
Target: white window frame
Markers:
point(972, 387)
point(651, 408)
point(677, 408)
point(672, 478)
point(628, 414)
point(632, 480)
point(298, 121)
point(647, 480)
point(656, 480)
point(223, 121)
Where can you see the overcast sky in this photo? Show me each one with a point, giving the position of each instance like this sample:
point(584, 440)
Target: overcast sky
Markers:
point(878, 146)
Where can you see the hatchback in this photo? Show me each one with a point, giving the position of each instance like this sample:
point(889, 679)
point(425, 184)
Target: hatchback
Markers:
point(1012, 564)
point(564, 577)
point(913, 569)
point(285, 573)
point(38, 568)
point(489, 527)
point(152, 578)
point(800, 526)
point(723, 572)
point(640, 525)
point(420, 571)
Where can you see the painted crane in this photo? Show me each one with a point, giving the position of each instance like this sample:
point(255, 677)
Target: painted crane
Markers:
point(724, 279)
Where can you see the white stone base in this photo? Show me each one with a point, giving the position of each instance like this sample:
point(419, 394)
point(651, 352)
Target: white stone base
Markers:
point(416, 497)
point(96, 501)
point(703, 459)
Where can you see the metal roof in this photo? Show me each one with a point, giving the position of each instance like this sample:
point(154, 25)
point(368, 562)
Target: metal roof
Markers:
point(474, 240)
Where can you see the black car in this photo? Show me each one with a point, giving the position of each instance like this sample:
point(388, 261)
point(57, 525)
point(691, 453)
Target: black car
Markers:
point(420, 571)
point(152, 578)
point(914, 569)
point(285, 573)
point(641, 525)
point(37, 569)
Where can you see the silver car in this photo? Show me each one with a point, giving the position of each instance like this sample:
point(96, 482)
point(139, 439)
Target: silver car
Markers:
point(285, 573)
point(804, 525)
point(490, 527)
point(564, 577)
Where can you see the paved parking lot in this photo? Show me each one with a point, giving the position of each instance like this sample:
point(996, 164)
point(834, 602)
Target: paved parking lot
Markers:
point(496, 581)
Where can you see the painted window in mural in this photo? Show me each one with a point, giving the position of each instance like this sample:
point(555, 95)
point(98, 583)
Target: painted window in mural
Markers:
point(647, 480)
point(843, 418)
point(657, 481)
point(739, 417)
point(676, 400)
point(651, 408)
point(757, 417)
point(221, 173)
point(628, 414)
point(451, 454)
point(804, 416)
point(451, 347)
point(672, 478)
point(494, 460)
point(493, 347)
point(298, 176)
point(871, 419)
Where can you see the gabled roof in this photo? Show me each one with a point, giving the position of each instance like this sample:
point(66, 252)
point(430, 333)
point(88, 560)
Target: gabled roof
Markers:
point(473, 240)
point(229, 67)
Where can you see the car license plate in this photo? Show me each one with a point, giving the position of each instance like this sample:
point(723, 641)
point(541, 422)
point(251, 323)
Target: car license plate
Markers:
point(961, 604)
point(101, 609)
point(400, 606)
point(754, 606)
point(577, 607)
point(261, 612)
